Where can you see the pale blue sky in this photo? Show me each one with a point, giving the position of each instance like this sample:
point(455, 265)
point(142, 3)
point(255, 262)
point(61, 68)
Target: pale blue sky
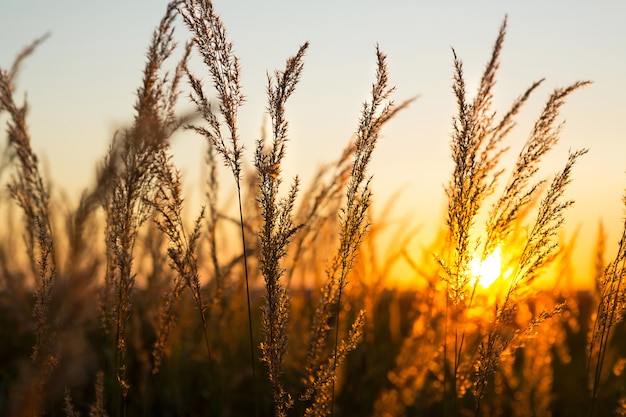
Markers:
point(81, 83)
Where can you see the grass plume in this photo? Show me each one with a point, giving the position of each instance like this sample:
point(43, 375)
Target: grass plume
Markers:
point(477, 146)
point(277, 229)
point(30, 191)
point(610, 311)
point(132, 169)
point(352, 225)
point(217, 53)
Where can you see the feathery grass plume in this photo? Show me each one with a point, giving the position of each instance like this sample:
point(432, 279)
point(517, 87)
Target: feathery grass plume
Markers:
point(131, 168)
point(321, 387)
point(277, 229)
point(353, 225)
point(217, 53)
point(519, 191)
point(538, 251)
point(610, 310)
point(476, 150)
point(475, 154)
point(30, 191)
point(541, 242)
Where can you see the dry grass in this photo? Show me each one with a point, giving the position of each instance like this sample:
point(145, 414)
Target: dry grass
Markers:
point(476, 150)
point(122, 306)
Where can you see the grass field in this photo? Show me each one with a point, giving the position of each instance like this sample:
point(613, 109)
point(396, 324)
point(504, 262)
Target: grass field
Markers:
point(281, 304)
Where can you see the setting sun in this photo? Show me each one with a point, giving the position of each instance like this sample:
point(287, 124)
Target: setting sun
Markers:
point(487, 270)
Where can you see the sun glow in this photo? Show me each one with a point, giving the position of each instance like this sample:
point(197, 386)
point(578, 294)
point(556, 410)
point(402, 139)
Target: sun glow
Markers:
point(488, 270)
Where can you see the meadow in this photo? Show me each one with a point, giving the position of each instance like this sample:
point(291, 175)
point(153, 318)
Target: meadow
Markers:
point(280, 303)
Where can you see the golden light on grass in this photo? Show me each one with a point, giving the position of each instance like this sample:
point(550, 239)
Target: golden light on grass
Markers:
point(453, 332)
point(488, 270)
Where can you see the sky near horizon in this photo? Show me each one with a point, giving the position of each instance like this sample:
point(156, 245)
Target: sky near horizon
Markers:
point(80, 86)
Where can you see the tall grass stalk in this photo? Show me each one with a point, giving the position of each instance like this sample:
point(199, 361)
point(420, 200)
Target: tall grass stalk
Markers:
point(476, 151)
point(29, 189)
point(538, 252)
point(132, 167)
point(277, 228)
point(540, 245)
point(217, 53)
point(352, 227)
point(353, 224)
point(610, 310)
